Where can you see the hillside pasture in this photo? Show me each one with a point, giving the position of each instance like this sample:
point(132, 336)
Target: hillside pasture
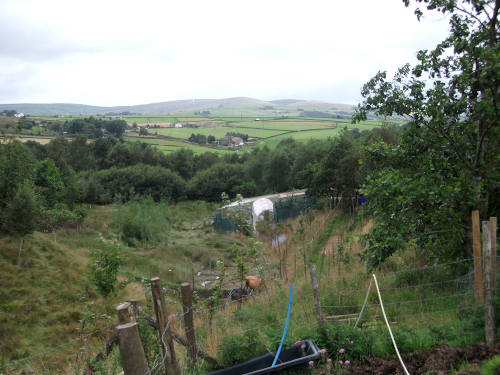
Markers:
point(217, 132)
point(280, 126)
point(170, 145)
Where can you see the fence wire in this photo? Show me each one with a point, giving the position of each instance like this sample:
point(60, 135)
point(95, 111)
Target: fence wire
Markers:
point(224, 316)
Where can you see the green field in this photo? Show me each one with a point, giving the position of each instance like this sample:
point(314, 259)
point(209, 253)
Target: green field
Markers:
point(169, 145)
point(217, 132)
point(300, 136)
point(269, 130)
point(281, 126)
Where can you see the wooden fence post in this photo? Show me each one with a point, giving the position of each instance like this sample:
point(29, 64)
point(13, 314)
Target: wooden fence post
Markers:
point(187, 308)
point(166, 341)
point(131, 351)
point(124, 313)
point(489, 309)
point(315, 288)
point(493, 235)
point(134, 307)
point(476, 243)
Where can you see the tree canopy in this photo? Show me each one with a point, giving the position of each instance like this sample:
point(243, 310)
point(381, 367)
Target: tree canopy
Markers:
point(423, 190)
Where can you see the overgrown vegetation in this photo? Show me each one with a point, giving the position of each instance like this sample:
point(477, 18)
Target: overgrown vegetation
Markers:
point(142, 222)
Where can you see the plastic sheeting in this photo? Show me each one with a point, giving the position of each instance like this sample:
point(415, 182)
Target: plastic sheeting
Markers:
point(259, 207)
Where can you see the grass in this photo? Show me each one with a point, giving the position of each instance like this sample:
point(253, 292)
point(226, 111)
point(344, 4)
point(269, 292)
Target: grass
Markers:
point(170, 145)
point(217, 132)
point(269, 131)
point(43, 299)
point(41, 304)
point(281, 126)
point(490, 367)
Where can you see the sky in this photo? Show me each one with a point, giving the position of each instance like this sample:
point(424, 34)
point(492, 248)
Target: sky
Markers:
point(109, 52)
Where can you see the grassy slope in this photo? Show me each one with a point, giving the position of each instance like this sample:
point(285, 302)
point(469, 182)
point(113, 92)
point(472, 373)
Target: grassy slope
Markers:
point(43, 298)
point(218, 132)
point(40, 300)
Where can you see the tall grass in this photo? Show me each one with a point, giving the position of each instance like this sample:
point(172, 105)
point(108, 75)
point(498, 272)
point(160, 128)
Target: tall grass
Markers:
point(142, 222)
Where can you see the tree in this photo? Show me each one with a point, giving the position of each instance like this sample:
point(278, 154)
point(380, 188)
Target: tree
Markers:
point(79, 155)
point(278, 170)
point(9, 112)
point(21, 213)
point(48, 182)
point(56, 217)
point(80, 213)
point(116, 127)
point(447, 164)
point(182, 162)
point(104, 266)
point(16, 166)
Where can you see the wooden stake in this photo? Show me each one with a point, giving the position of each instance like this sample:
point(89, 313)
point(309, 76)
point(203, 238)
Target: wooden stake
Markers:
point(166, 341)
point(182, 340)
point(131, 351)
point(187, 308)
point(489, 309)
point(478, 272)
point(493, 235)
point(315, 288)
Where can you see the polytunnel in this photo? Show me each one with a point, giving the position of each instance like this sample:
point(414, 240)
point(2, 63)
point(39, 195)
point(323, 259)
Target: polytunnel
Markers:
point(259, 207)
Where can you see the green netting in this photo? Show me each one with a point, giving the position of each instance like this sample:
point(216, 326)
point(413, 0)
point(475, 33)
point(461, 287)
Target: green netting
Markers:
point(223, 224)
point(292, 207)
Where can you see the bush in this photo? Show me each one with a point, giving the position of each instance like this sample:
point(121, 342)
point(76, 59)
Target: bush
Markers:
point(491, 367)
point(142, 222)
point(139, 180)
point(104, 266)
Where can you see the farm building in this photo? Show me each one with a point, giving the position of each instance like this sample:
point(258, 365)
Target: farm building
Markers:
point(231, 141)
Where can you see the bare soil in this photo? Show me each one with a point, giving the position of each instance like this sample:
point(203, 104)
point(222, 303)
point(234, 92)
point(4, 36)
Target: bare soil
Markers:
point(442, 359)
point(42, 141)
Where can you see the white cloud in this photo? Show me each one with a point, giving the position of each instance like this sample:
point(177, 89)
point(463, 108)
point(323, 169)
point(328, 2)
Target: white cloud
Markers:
point(129, 52)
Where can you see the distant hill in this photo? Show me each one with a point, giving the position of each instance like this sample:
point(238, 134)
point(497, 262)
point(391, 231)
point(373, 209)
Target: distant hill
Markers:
point(230, 106)
point(286, 101)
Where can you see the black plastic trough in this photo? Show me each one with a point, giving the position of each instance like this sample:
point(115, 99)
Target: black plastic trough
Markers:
point(298, 354)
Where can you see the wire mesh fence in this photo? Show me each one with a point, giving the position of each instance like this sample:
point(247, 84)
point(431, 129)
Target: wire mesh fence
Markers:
point(427, 301)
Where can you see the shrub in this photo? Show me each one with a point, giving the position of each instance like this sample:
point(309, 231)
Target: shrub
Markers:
point(142, 222)
point(104, 266)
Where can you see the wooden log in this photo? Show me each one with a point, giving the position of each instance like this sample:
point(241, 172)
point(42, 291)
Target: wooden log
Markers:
point(166, 340)
point(489, 308)
point(476, 243)
point(131, 351)
point(187, 308)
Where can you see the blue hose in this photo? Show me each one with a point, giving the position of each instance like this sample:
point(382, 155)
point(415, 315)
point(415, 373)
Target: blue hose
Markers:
point(286, 325)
